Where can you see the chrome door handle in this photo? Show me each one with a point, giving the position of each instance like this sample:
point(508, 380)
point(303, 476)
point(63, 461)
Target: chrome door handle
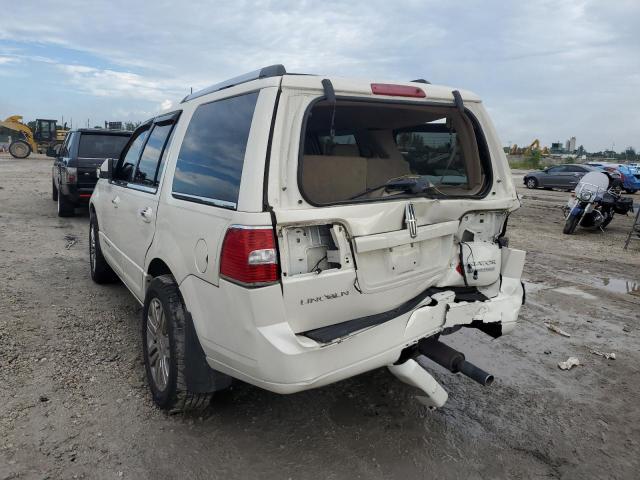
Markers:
point(146, 214)
point(115, 201)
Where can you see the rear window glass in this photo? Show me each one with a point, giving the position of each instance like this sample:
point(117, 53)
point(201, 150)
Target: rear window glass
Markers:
point(101, 146)
point(211, 157)
point(379, 150)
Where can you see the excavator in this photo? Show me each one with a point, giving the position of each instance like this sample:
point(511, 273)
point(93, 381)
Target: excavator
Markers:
point(45, 136)
point(535, 145)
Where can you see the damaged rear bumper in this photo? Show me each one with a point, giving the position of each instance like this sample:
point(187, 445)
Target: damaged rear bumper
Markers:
point(286, 363)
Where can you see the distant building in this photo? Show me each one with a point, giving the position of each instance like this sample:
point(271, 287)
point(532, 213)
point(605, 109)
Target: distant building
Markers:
point(113, 125)
point(566, 146)
point(572, 144)
point(556, 147)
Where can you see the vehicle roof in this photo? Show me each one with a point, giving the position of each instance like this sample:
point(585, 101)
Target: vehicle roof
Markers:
point(341, 85)
point(102, 131)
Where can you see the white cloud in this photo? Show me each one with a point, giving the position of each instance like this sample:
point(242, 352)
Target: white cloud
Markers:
point(546, 68)
point(7, 60)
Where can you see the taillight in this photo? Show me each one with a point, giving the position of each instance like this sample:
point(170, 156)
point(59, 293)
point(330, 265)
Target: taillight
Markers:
point(70, 173)
point(459, 269)
point(249, 256)
point(397, 90)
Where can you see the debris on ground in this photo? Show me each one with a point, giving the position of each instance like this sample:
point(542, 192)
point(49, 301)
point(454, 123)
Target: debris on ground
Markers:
point(626, 328)
point(569, 363)
point(608, 356)
point(71, 241)
point(556, 329)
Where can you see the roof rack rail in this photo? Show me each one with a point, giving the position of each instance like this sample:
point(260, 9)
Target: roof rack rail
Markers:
point(270, 71)
point(421, 80)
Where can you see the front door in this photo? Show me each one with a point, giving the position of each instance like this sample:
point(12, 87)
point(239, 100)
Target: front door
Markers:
point(552, 177)
point(135, 202)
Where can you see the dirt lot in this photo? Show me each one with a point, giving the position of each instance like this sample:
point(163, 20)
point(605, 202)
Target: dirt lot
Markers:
point(74, 403)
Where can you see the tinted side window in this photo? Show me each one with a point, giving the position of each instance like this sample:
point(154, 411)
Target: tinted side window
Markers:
point(64, 149)
point(211, 157)
point(555, 169)
point(148, 165)
point(127, 164)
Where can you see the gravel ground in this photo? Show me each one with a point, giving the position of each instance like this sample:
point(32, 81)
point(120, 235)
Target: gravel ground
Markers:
point(75, 402)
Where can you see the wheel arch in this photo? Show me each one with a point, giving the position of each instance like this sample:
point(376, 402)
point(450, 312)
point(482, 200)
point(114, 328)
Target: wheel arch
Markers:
point(158, 267)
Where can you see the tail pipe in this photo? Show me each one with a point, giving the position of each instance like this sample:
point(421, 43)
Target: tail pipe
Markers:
point(452, 360)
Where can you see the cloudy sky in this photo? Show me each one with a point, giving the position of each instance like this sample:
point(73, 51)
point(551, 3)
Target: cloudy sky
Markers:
point(546, 69)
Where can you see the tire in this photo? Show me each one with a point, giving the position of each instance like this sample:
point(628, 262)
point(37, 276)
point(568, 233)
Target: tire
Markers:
point(531, 183)
point(101, 272)
point(19, 149)
point(570, 224)
point(164, 348)
point(54, 191)
point(606, 222)
point(65, 207)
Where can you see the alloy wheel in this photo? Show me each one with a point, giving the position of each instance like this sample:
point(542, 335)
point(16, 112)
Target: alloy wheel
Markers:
point(158, 351)
point(92, 247)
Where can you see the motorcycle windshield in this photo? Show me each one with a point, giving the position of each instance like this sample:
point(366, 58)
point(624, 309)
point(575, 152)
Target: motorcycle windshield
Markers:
point(593, 182)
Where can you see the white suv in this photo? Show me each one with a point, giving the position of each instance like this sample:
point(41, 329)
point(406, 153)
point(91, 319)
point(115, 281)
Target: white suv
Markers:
point(291, 231)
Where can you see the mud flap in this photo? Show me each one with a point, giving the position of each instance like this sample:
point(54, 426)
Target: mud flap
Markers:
point(198, 375)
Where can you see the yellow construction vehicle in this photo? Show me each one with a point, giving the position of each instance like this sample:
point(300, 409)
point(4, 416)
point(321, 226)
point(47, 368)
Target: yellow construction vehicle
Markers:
point(535, 145)
point(46, 135)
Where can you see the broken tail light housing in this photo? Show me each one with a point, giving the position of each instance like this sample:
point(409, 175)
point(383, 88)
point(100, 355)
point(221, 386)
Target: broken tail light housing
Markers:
point(249, 256)
point(397, 90)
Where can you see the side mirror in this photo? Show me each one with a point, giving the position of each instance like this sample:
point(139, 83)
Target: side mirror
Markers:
point(53, 151)
point(546, 170)
point(106, 169)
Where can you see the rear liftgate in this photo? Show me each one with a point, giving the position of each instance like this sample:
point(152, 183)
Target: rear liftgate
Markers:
point(337, 283)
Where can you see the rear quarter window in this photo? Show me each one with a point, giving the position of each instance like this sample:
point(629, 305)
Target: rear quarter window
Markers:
point(209, 165)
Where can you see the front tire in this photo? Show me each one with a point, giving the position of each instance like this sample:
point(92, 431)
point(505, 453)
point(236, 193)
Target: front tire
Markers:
point(164, 347)
point(570, 224)
point(54, 191)
point(101, 272)
point(531, 183)
point(20, 149)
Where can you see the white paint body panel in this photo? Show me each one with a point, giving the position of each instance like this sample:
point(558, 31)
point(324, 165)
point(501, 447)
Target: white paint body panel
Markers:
point(254, 334)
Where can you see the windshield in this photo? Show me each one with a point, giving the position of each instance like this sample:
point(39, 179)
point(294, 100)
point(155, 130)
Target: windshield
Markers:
point(375, 150)
point(101, 146)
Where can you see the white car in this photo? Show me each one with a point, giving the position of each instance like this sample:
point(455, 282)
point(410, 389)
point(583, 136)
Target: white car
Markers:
point(291, 231)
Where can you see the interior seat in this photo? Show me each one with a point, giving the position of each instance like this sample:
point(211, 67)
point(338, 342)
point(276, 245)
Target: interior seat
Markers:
point(327, 179)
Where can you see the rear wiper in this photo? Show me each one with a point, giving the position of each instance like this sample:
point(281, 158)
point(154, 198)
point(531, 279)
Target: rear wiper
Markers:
point(412, 185)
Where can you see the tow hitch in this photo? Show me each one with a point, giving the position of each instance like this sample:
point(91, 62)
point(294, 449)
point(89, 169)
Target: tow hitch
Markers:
point(414, 370)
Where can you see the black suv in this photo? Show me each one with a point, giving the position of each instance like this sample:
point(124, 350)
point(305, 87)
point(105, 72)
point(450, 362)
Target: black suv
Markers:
point(74, 170)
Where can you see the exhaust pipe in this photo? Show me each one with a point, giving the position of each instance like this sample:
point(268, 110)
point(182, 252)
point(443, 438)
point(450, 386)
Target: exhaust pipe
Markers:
point(452, 360)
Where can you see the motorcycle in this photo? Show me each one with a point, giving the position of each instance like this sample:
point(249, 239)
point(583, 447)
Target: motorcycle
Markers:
point(594, 204)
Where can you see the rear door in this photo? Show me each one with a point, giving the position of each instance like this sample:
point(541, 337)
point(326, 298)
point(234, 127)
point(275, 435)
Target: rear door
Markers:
point(136, 204)
point(572, 175)
point(61, 158)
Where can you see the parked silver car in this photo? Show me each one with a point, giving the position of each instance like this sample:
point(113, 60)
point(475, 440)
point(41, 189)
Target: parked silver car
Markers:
point(564, 177)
